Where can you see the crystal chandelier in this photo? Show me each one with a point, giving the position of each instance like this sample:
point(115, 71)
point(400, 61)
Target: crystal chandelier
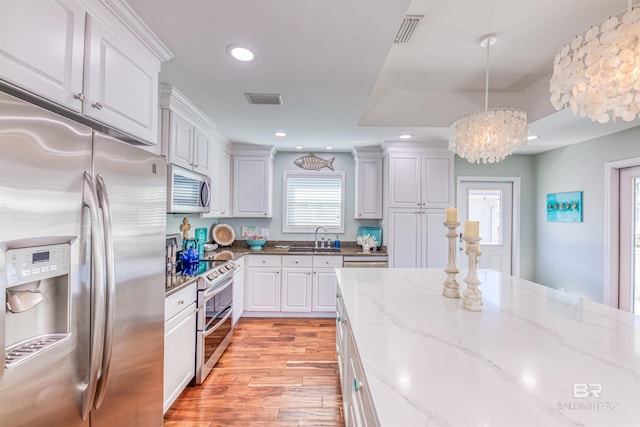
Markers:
point(597, 75)
point(492, 135)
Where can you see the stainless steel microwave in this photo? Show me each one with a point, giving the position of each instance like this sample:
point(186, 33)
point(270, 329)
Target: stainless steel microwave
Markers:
point(187, 191)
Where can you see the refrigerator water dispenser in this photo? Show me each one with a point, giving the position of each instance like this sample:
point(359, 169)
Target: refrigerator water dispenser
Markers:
point(37, 296)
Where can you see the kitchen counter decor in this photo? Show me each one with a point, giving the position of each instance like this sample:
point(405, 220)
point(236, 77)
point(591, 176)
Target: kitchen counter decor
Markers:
point(472, 297)
point(450, 287)
point(367, 242)
point(223, 234)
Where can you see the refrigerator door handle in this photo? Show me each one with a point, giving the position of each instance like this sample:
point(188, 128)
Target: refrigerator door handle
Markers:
point(110, 302)
point(90, 199)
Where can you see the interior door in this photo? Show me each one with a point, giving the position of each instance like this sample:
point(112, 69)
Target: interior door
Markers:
point(490, 203)
point(629, 280)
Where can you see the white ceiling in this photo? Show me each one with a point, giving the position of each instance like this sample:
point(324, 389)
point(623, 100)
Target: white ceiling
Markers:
point(345, 83)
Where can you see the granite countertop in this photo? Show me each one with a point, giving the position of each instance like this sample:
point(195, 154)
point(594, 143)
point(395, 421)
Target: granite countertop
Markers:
point(240, 248)
point(534, 356)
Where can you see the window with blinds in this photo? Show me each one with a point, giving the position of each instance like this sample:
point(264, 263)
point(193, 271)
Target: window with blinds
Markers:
point(312, 200)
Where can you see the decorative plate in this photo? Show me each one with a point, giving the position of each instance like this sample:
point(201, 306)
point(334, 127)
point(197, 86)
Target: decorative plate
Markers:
point(223, 234)
point(224, 255)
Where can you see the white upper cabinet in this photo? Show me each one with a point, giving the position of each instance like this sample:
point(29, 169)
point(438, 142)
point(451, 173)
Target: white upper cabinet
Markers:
point(368, 194)
point(188, 135)
point(78, 54)
point(200, 151)
point(220, 173)
point(420, 179)
point(121, 82)
point(42, 48)
point(225, 184)
point(252, 182)
point(180, 145)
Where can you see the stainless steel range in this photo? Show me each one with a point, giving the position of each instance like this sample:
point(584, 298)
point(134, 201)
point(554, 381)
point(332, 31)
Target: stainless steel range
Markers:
point(215, 308)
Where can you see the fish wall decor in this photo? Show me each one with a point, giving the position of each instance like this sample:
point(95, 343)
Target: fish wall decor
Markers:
point(313, 162)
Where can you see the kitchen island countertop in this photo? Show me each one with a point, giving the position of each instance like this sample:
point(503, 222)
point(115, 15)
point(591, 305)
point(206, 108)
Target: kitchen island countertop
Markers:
point(534, 356)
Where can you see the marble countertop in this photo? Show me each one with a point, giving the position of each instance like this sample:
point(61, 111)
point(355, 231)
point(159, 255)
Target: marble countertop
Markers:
point(530, 358)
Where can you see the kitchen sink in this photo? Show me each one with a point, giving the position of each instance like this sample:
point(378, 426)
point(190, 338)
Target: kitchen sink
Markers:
point(312, 249)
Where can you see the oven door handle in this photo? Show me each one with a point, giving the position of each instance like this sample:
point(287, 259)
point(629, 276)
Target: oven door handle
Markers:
point(216, 291)
point(207, 331)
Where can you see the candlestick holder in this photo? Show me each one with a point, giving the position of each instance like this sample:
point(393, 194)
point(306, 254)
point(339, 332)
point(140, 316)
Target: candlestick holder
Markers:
point(450, 287)
point(472, 297)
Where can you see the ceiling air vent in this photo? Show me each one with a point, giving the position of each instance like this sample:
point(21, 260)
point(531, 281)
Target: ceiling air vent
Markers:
point(264, 98)
point(408, 26)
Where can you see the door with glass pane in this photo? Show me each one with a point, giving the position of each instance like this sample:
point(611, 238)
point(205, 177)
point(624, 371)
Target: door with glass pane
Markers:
point(491, 204)
point(629, 280)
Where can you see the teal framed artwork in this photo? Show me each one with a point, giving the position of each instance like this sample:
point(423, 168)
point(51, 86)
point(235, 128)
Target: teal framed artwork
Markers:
point(564, 207)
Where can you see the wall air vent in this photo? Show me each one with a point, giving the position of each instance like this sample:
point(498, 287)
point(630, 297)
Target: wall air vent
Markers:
point(264, 98)
point(408, 26)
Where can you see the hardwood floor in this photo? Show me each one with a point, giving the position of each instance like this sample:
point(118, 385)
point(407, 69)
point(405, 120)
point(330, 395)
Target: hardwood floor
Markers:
point(276, 373)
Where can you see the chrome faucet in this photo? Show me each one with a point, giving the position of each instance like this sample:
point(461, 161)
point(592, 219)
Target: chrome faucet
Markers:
point(315, 238)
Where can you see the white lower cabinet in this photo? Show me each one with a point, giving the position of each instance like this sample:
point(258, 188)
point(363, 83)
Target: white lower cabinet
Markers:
point(325, 282)
point(238, 290)
point(356, 398)
point(262, 290)
point(296, 284)
point(291, 284)
point(417, 238)
point(179, 343)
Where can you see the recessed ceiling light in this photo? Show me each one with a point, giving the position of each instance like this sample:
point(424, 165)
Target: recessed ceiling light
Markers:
point(329, 147)
point(299, 147)
point(241, 53)
point(406, 136)
point(280, 133)
point(532, 137)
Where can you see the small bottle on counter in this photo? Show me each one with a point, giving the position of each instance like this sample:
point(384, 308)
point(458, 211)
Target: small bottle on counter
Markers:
point(336, 243)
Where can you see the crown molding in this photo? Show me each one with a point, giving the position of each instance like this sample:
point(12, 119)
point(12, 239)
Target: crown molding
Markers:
point(130, 19)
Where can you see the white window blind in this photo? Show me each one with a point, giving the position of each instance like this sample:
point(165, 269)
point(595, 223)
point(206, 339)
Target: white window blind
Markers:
point(313, 200)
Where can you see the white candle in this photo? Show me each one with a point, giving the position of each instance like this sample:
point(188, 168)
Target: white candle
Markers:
point(451, 215)
point(471, 229)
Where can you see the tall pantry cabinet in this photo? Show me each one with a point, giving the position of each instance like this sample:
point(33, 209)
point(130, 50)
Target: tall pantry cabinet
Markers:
point(419, 189)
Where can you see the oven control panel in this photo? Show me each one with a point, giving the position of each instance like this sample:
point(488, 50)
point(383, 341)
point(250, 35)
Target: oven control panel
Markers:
point(211, 277)
point(26, 265)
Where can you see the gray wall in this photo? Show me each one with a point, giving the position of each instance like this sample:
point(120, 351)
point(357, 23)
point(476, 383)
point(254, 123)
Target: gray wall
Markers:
point(571, 255)
point(513, 166)
point(284, 161)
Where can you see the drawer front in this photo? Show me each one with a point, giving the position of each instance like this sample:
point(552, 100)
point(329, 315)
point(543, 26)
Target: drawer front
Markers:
point(327, 261)
point(240, 262)
point(177, 302)
point(297, 261)
point(264, 261)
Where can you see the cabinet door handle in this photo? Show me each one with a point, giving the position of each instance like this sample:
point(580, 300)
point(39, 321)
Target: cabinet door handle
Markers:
point(265, 214)
point(357, 385)
point(97, 106)
point(181, 301)
point(79, 96)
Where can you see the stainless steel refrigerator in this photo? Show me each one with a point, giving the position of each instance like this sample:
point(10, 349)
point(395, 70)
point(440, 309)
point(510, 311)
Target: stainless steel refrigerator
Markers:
point(82, 234)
